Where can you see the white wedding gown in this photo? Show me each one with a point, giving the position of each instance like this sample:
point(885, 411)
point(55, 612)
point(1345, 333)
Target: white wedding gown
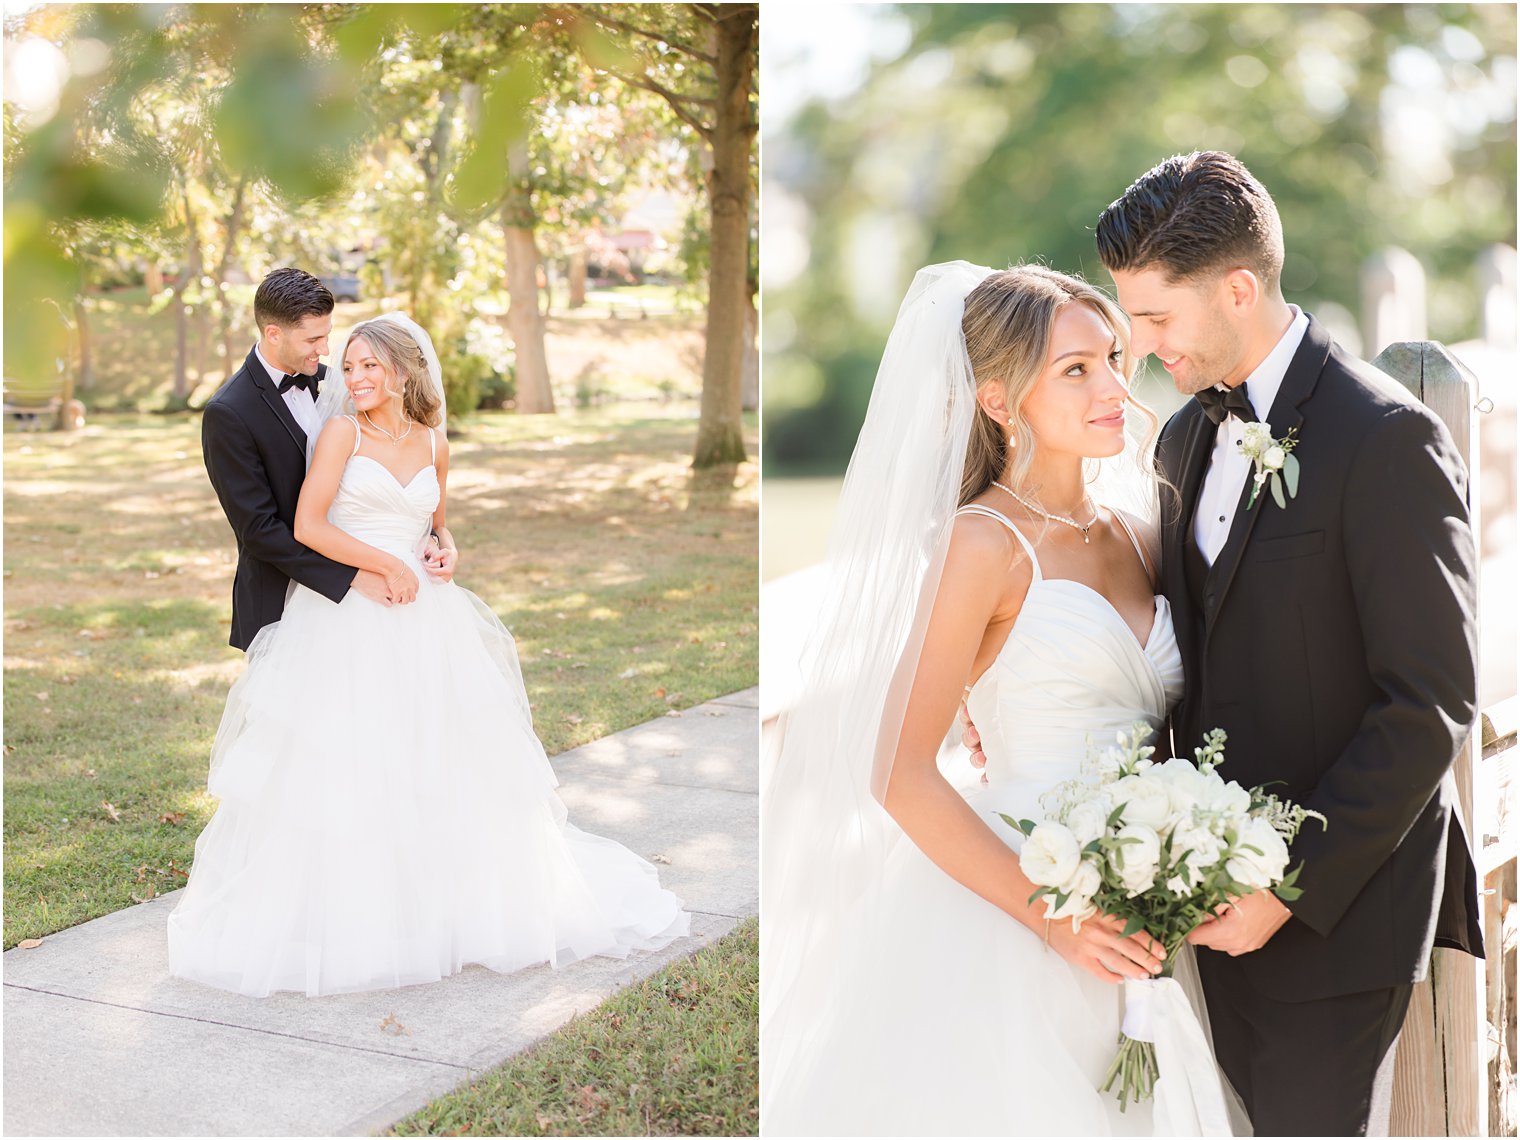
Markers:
point(948, 1017)
point(387, 815)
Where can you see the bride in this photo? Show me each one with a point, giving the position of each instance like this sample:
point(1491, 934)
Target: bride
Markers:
point(910, 987)
point(387, 814)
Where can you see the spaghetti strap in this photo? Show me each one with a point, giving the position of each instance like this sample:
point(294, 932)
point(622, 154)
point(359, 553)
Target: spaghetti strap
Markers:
point(979, 509)
point(358, 435)
point(1145, 563)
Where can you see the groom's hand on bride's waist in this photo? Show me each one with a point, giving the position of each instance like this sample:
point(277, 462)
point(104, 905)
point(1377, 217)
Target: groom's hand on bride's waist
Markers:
point(1246, 923)
point(972, 739)
point(373, 587)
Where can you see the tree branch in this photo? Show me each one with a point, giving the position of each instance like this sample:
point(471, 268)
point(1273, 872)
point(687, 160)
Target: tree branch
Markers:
point(673, 99)
point(679, 45)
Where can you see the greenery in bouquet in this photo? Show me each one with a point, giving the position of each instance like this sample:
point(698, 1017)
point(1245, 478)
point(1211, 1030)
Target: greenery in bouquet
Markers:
point(1161, 846)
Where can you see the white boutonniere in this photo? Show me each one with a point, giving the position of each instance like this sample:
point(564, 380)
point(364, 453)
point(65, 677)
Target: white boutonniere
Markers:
point(1276, 465)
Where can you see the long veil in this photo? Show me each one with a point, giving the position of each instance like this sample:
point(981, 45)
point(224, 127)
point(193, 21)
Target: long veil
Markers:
point(335, 400)
point(826, 836)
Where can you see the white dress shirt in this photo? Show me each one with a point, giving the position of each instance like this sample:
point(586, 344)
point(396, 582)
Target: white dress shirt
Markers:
point(300, 401)
point(1228, 469)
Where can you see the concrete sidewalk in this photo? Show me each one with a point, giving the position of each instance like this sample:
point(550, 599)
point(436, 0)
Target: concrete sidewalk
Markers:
point(99, 1040)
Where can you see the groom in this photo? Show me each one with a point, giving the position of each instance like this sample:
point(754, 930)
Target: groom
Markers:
point(253, 439)
point(1333, 638)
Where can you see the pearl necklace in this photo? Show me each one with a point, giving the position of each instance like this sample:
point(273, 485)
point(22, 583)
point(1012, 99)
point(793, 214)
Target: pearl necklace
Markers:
point(1073, 523)
point(395, 439)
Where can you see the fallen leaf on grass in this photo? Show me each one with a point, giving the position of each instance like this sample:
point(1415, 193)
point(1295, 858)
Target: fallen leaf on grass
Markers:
point(152, 893)
point(110, 809)
point(660, 859)
point(42, 696)
point(627, 673)
point(170, 817)
point(29, 943)
point(393, 1027)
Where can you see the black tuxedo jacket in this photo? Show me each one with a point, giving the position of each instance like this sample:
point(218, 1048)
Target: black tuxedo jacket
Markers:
point(255, 453)
point(1336, 642)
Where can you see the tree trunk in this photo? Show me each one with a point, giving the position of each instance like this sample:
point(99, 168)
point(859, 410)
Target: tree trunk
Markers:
point(577, 279)
point(720, 432)
point(223, 307)
point(153, 279)
point(190, 275)
point(750, 388)
point(526, 325)
point(524, 322)
point(86, 377)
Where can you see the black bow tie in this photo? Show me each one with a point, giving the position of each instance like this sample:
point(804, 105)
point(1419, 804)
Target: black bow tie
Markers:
point(307, 382)
point(1217, 405)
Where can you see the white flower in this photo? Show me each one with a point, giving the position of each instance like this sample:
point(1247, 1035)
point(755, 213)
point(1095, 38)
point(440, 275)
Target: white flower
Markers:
point(1217, 795)
point(1255, 436)
point(1088, 821)
point(1183, 782)
point(1146, 801)
point(1050, 854)
point(1079, 891)
point(1264, 866)
point(1109, 763)
point(1201, 845)
point(1274, 458)
point(1136, 863)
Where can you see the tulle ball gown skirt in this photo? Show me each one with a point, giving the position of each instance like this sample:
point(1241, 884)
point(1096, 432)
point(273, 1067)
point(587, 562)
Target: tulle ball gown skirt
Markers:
point(387, 815)
point(946, 1017)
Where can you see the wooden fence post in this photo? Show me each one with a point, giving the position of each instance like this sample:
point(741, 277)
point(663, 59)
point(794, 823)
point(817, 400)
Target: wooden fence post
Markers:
point(1453, 1066)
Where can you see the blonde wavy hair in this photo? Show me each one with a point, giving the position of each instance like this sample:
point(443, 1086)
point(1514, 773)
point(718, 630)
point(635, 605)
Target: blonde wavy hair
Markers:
point(1007, 325)
point(403, 360)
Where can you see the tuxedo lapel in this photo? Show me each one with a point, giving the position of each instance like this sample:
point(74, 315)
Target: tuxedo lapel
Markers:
point(271, 396)
point(1286, 415)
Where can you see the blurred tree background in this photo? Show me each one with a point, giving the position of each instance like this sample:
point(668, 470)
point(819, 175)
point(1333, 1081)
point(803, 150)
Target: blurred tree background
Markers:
point(496, 169)
point(900, 135)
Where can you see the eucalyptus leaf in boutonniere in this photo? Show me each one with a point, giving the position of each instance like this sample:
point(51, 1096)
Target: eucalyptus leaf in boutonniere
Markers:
point(1276, 465)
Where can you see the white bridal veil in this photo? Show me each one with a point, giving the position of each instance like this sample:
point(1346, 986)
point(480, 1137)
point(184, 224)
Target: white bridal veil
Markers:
point(826, 836)
point(335, 400)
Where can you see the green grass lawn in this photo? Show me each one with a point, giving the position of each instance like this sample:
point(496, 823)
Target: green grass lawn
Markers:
point(629, 585)
point(675, 1055)
point(627, 357)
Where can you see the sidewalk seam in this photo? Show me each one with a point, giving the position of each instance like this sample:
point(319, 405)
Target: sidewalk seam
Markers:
point(243, 1028)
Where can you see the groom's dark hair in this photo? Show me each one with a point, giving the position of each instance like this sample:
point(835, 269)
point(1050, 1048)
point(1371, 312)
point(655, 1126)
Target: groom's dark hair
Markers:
point(1194, 215)
point(287, 296)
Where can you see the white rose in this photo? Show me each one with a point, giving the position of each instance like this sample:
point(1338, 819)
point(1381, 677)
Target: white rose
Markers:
point(1264, 866)
point(1221, 796)
point(1183, 782)
point(1136, 863)
point(1273, 459)
point(1050, 854)
point(1079, 890)
point(1255, 436)
point(1145, 799)
point(1201, 845)
point(1088, 821)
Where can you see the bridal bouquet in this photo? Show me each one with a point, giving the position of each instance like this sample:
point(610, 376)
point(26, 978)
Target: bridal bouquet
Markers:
point(1161, 846)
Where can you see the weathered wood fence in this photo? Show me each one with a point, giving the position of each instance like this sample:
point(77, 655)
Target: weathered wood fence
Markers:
point(1456, 1062)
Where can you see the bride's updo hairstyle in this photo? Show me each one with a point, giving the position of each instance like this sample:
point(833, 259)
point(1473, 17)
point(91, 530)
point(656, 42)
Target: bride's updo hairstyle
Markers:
point(404, 363)
point(1007, 324)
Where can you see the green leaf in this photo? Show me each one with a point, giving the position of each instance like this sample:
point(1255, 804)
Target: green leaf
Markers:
point(1287, 893)
point(1290, 474)
point(1026, 826)
point(1134, 926)
point(1115, 815)
point(1039, 894)
point(1093, 848)
point(1277, 490)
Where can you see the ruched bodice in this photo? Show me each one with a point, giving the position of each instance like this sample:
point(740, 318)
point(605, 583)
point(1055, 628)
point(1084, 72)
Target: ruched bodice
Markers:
point(1070, 672)
point(372, 505)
